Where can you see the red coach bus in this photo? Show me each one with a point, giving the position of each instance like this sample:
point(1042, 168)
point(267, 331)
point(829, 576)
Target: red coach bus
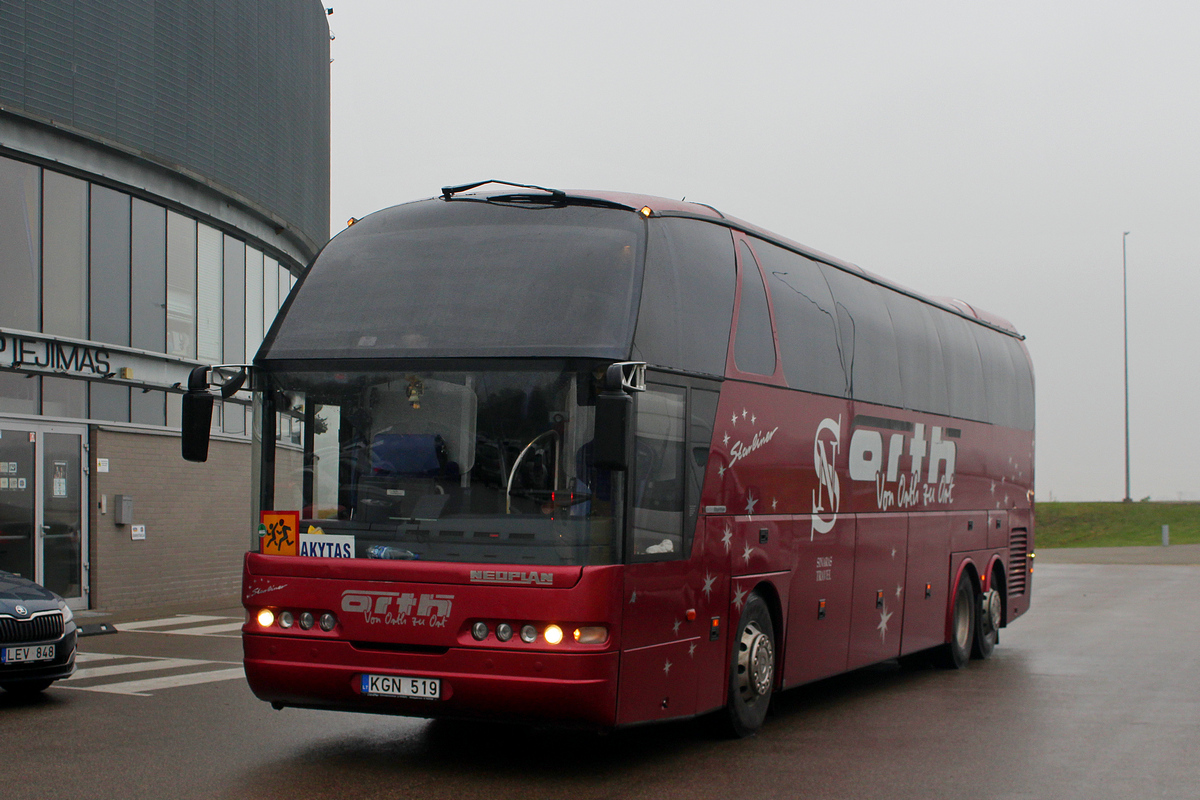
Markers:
point(601, 459)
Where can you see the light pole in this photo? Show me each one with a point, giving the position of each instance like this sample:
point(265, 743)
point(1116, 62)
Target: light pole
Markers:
point(1125, 316)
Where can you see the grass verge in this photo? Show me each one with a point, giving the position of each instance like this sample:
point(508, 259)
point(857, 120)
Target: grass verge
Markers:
point(1115, 524)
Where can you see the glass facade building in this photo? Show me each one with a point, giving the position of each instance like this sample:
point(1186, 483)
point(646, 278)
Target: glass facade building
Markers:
point(163, 181)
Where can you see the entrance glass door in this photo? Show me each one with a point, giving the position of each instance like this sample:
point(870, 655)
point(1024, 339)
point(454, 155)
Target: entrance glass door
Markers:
point(43, 503)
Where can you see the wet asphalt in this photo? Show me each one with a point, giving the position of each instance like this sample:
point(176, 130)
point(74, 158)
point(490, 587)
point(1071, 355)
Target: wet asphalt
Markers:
point(1094, 694)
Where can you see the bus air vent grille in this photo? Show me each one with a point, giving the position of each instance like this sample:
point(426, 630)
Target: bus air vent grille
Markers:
point(1018, 561)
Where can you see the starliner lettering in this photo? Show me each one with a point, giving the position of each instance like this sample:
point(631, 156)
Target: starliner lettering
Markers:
point(501, 576)
point(740, 450)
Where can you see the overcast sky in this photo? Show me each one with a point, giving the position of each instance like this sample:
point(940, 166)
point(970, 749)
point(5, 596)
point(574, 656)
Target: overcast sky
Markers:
point(993, 152)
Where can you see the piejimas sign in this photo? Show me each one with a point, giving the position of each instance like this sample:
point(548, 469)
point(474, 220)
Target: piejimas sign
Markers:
point(18, 352)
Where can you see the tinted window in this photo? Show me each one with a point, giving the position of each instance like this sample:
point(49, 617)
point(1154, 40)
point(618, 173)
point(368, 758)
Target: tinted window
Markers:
point(64, 256)
point(754, 345)
point(472, 279)
point(701, 414)
point(658, 482)
point(109, 269)
point(148, 319)
point(806, 320)
point(868, 342)
point(687, 296)
point(20, 240)
point(209, 294)
point(1024, 376)
point(922, 371)
point(109, 402)
point(999, 379)
point(181, 285)
point(964, 372)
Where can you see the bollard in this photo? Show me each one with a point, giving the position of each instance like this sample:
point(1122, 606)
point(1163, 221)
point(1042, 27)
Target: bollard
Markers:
point(1166, 535)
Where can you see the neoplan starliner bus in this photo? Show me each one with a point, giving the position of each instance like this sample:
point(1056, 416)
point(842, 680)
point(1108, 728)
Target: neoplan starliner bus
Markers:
point(600, 459)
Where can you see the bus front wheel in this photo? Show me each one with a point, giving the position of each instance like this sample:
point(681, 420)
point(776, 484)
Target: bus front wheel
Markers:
point(752, 668)
point(957, 652)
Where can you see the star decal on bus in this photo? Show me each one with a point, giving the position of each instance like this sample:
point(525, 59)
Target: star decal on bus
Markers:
point(752, 501)
point(725, 540)
point(744, 412)
point(884, 616)
point(733, 419)
point(746, 553)
point(692, 650)
point(721, 470)
point(725, 438)
point(739, 597)
point(708, 584)
point(667, 668)
point(676, 627)
point(774, 503)
point(753, 419)
point(899, 589)
point(633, 597)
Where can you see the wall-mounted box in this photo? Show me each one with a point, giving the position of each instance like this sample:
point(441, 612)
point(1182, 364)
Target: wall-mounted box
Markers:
point(123, 509)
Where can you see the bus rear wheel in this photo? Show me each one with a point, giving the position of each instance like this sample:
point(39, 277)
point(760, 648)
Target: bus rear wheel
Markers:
point(987, 627)
point(957, 652)
point(752, 669)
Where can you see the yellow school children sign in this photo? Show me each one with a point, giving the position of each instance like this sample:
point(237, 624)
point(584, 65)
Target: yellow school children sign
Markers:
point(279, 533)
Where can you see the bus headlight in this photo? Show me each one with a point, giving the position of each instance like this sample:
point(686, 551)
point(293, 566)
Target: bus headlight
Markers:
point(328, 622)
point(266, 617)
point(528, 634)
point(553, 634)
point(286, 619)
point(306, 620)
point(504, 631)
point(480, 631)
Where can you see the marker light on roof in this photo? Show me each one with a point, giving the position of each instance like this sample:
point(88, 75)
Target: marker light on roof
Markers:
point(646, 211)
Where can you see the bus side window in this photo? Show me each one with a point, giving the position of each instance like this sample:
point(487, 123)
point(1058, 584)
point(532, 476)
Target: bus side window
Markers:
point(658, 475)
point(754, 343)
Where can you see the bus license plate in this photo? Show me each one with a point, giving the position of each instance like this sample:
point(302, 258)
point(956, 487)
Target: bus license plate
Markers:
point(400, 686)
point(19, 655)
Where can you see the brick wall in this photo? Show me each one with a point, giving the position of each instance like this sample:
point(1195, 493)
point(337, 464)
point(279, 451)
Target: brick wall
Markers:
point(197, 519)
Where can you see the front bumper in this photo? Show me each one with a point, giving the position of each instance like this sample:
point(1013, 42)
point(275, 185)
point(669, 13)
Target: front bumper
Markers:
point(558, 688)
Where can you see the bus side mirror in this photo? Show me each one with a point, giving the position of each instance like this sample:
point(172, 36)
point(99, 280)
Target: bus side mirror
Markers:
point(614, 411)
point(197, 416)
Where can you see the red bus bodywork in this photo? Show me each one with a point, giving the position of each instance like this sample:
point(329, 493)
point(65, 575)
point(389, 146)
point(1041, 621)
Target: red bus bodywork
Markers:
point(855, 522)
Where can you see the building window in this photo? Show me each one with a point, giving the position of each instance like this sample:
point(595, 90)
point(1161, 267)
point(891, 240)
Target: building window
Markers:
point(181, 285)
point(64, 397)
point(20, 245)
point(235, 323)
point(148, 298)
point(254, 302)
point(64, 255)
point(209, 295)
point(109, 269)
point(19, 393)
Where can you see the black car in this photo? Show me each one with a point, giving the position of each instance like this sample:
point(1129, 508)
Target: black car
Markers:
point(37, 636)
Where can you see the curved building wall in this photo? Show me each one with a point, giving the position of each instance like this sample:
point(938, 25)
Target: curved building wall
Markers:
point(234, 93)
point(163, 180)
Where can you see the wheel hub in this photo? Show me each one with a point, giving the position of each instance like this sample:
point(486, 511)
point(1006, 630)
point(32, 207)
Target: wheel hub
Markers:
point(756, 663)
point(992, 608)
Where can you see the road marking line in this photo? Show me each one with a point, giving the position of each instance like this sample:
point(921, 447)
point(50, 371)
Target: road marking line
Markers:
point(142, 688)
point(182, 619)
point(206, 630)
point(144, 666)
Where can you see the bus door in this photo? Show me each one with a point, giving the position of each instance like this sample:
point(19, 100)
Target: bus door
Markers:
point(877, 617)
point(670, 580)
point(820, 602)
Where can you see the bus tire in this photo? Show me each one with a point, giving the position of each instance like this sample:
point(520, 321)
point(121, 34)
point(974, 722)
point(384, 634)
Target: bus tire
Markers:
point(955, 653)
point(751, 669)
point(987, 622)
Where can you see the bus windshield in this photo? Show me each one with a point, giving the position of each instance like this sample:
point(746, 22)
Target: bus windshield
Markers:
point(485, 466)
